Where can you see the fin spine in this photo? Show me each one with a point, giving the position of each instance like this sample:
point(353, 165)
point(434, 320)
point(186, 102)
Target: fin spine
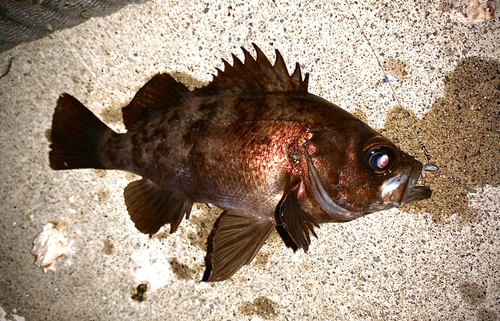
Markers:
point(255, 75)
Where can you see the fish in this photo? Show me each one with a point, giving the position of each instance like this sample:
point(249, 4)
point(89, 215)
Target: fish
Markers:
point(253, 142)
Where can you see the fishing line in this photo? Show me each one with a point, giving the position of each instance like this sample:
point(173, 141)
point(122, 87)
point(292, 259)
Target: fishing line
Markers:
point(429, 167)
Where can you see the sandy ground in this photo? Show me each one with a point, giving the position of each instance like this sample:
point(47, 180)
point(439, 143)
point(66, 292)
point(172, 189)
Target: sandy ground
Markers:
point(439, 260)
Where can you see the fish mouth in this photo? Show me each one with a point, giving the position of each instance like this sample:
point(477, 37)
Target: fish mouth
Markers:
point(415, 192)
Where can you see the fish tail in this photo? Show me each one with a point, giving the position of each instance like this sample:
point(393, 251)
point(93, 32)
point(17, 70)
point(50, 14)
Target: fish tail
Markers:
point(75, 136)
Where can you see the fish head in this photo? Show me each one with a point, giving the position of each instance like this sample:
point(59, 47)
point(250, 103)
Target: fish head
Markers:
point(364, 173)
point(395, 172)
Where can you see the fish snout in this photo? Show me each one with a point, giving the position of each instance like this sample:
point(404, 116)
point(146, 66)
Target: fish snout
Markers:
point(401, 188)
point(415, 192)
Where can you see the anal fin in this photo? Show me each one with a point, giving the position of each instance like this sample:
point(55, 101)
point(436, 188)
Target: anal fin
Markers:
point(235, 241)
point(151, 207)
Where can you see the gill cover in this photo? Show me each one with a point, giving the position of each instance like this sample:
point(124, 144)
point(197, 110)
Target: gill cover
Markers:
point(320, 192)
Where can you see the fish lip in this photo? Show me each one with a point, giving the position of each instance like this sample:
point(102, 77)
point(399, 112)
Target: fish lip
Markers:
point(415, 192)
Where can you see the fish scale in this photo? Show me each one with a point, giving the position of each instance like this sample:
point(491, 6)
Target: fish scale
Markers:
point(253, 142)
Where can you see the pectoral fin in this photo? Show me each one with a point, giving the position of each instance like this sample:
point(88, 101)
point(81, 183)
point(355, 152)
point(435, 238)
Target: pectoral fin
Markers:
point(235, 241)
point(151, 207)
point(297, 223)
point(286, 238)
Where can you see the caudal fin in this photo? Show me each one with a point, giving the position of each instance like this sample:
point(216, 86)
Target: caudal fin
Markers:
point(75, 135)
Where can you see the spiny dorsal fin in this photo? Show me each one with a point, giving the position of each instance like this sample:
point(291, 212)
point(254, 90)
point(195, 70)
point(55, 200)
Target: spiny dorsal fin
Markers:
point(256, 75)
point(163, 92)
point(156, 97)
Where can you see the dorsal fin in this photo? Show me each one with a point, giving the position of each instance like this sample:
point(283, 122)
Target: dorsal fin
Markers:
point(163, 92)
point(156, 97)
point(256, 75)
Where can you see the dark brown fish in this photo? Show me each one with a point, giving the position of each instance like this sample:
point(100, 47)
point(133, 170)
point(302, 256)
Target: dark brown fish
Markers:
point(253, 142)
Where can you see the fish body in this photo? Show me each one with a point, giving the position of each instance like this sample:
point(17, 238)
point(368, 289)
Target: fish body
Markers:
point(255, 143)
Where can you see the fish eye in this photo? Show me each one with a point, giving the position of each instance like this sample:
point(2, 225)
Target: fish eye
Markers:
point(380, 158)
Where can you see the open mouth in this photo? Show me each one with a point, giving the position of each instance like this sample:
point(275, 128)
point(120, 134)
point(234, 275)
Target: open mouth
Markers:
point(416, 192)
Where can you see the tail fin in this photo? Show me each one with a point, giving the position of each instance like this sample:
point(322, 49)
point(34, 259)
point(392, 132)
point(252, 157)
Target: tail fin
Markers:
point(75, 135)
